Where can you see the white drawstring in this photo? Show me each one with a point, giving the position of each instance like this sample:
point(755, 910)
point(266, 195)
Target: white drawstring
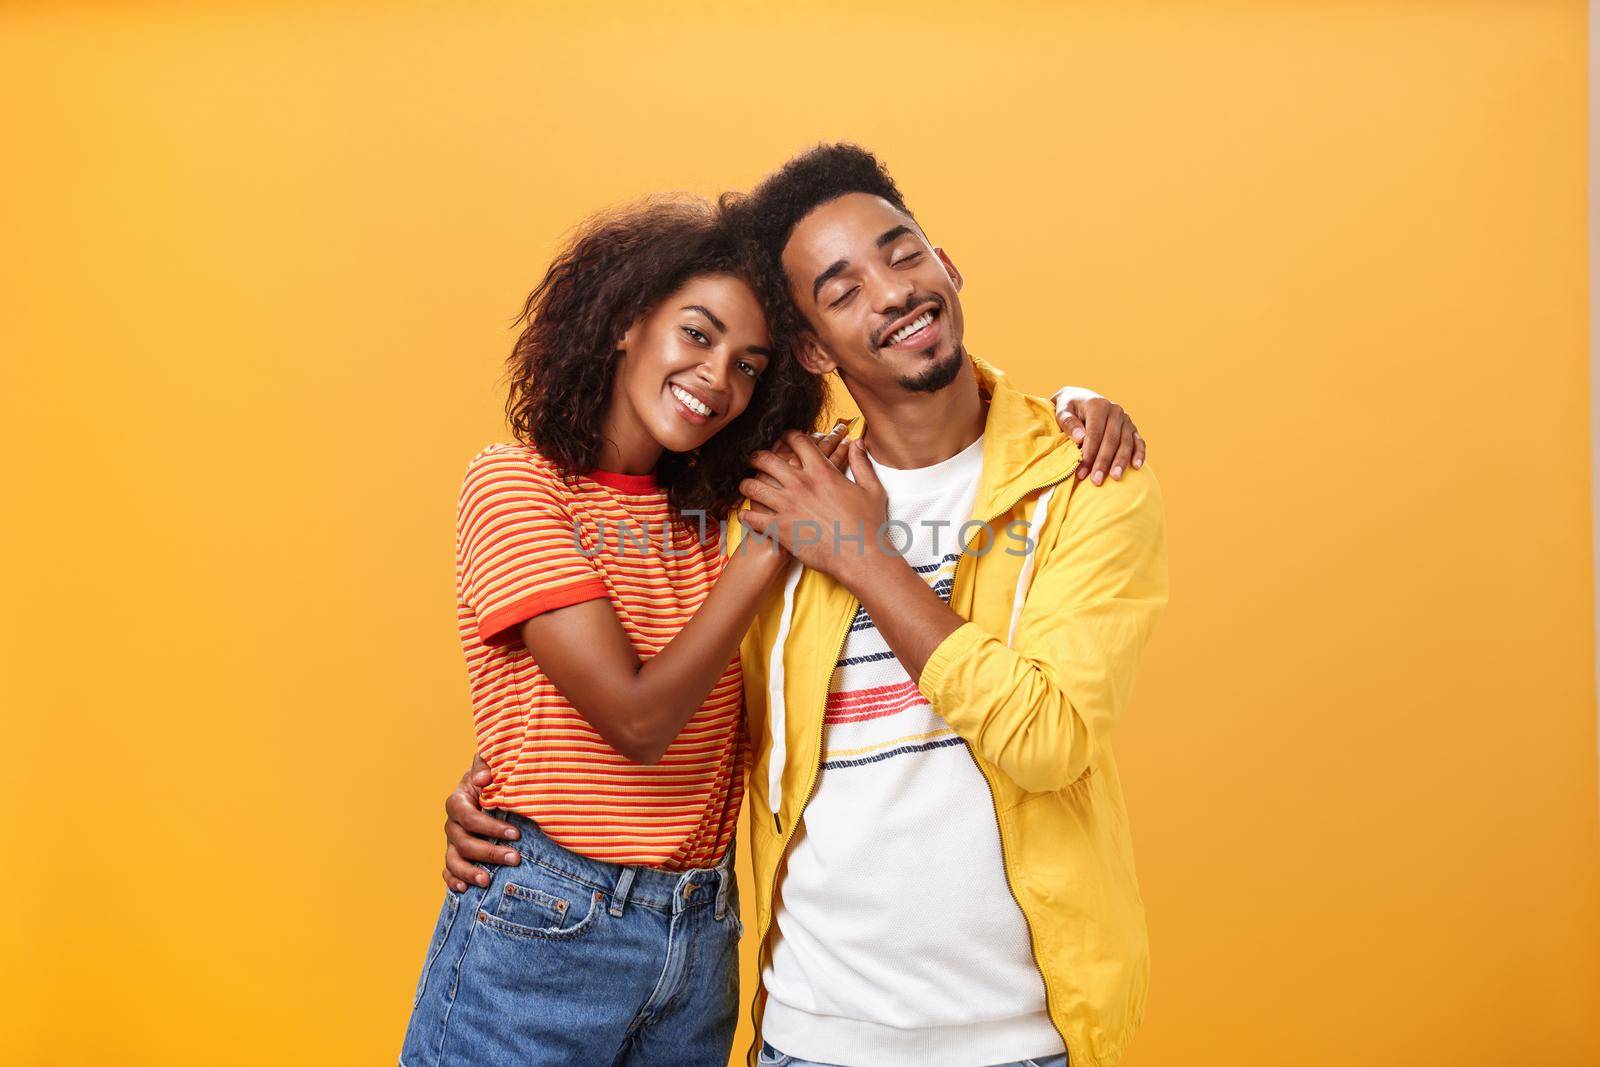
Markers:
point(1024, 579)
point(776, 706)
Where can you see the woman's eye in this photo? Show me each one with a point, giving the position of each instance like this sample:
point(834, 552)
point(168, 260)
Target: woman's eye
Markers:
point(846, 295)
point(696, 336)
point(749, 368)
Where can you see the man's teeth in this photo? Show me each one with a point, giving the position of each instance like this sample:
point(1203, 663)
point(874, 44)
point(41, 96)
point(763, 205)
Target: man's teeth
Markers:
point(688, 400)
point(925, 319)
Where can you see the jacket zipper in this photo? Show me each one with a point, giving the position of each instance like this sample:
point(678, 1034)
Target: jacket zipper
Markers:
point(794, 820)
point(1005, 851)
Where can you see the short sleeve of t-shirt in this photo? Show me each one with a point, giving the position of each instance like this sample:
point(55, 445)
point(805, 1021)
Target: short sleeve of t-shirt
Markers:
point(517, 546)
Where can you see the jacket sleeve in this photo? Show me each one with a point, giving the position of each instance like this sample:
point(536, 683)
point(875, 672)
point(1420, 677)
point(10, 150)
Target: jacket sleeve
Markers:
point(1041, 710)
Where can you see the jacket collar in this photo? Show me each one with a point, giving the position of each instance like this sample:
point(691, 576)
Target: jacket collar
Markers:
point(1023, 446)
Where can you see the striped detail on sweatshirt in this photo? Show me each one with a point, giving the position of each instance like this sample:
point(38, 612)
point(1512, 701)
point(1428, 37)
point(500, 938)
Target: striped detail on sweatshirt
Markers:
point(942, 586)
point(875, 712)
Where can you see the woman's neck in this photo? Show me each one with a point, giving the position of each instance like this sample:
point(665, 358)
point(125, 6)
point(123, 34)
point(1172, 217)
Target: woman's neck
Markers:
point(625, 446)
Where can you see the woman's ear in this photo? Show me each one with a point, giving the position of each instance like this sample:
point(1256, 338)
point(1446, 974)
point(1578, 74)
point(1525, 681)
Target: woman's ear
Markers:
point(813, 357)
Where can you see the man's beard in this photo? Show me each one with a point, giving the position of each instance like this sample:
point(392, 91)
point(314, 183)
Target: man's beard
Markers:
point(934, 378)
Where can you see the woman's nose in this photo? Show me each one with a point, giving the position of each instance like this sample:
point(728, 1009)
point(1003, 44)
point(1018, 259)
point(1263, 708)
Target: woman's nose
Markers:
point(713, 372)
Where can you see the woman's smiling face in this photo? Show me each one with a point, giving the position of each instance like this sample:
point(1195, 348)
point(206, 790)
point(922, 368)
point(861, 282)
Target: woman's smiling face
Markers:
point(690, 365)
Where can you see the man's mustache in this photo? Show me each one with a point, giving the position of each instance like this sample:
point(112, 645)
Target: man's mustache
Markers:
point(896, 314)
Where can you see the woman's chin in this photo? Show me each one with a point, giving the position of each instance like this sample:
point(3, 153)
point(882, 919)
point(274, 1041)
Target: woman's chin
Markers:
point(683, 438)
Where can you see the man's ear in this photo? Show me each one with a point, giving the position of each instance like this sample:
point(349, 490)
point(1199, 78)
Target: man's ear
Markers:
point(812, 356)
point(949, 266)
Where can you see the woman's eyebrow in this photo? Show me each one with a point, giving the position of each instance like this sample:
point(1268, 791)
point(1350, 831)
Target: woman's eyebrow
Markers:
point(707, 313)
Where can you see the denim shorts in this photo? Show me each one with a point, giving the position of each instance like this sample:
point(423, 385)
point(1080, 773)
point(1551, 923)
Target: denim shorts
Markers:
point(566, 960)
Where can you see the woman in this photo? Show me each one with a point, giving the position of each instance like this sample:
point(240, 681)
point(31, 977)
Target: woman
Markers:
point(601, 625)
point(601, 630)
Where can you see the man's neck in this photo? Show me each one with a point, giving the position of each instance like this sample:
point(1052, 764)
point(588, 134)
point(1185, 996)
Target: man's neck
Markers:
point(908, 430)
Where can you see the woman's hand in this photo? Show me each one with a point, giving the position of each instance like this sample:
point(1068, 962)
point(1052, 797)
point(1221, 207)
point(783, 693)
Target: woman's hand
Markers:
point(1110, 442)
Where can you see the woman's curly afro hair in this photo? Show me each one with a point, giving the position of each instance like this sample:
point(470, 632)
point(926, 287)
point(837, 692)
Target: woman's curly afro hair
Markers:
point(617, 267)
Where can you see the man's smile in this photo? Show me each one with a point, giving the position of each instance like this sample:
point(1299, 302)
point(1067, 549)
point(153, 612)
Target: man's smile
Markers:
point(919, 329)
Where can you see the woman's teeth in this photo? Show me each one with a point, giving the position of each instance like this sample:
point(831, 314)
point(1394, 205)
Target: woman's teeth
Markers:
point(916, 325)
point(688, 400)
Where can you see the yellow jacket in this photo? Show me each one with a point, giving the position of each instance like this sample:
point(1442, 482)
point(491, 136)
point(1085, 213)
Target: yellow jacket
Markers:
point(1034, 682)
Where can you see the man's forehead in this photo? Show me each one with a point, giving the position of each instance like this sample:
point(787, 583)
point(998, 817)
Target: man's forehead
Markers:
point(833, 228)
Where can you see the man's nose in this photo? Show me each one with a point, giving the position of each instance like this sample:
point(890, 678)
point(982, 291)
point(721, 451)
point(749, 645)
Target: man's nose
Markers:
point(892, 292)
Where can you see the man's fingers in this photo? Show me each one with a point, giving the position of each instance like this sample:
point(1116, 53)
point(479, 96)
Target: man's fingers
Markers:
point(836, 450)
point(1138, 450)
point(757, 521)
point(761, 493)
point(461, 872)
point(774, 466)
point(477, 850)
point(768, 479)
point(785, 453)
point(1120, 463)
point(460, 808)
point(835, 446)
point(464, 818)
point(866, 476)
point(828, 443)
point(805, 449)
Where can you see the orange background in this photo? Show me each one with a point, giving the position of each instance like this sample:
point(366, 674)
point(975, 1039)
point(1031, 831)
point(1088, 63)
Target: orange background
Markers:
point(259, 267)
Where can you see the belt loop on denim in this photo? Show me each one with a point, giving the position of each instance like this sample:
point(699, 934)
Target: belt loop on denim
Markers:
point(724, 881)
point(724, 875)
point(619, 895)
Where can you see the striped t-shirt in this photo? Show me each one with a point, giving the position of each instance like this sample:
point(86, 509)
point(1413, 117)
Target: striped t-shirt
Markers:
point(897, 940)
point(529, 541)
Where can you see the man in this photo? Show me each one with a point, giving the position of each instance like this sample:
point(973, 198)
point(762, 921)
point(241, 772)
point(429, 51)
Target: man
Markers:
point(943, 869)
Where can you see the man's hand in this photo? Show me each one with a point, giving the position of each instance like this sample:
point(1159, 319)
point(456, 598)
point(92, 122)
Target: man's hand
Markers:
point(464, 818)
point(1109, 440)
point(829, 444)
point(813, 510)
